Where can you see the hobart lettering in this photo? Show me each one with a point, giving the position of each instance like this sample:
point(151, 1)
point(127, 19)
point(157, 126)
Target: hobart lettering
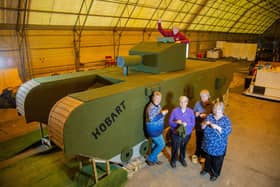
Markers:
point(108, 121)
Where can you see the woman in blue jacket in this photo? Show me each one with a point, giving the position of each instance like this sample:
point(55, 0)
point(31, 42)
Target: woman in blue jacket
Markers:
point(216, 127)
point(154, 127)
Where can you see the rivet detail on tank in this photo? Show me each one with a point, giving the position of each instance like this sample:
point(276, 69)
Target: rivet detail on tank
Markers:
point(108, 121)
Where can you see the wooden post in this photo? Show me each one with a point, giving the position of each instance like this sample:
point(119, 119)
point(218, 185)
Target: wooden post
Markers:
point(108, 169)
point(42, 130)
point(94, 171)
point(80, 165)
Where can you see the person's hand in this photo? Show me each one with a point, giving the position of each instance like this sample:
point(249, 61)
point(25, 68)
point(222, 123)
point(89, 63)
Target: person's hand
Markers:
point(178, 121)
point(164, 112)
point(178, 41)
point(202, 115)
point(214, 126)
point(204, 124)
point(219, 129)
point(197, 114)
point(159, 20)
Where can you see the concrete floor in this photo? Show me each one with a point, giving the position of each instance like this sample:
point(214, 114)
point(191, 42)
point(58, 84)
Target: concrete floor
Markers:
point(252, 155)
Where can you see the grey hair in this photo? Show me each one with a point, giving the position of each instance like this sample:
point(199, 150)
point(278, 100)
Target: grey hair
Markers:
point(204, 92)
point(183, 97)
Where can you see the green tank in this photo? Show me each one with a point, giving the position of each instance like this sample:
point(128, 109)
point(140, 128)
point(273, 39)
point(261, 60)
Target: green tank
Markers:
point(101, 113)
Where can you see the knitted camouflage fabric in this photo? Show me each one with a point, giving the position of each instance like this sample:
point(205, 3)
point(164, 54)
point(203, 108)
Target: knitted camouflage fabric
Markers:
point(181, 130)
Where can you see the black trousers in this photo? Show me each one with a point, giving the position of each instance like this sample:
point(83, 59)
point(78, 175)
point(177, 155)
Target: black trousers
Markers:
point(199, 138)
point(178, 142)
point(213, 164)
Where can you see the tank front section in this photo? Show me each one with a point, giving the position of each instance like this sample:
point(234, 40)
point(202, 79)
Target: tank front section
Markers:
point(106, 126)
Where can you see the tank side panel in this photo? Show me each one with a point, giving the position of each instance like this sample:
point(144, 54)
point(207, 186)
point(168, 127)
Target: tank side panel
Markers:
point(216, 80)
point(224, 76)
point(107, 123)
point(103, 127)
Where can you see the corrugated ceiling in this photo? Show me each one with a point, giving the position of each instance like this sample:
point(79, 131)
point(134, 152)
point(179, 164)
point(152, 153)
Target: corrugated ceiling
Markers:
point(234, 16)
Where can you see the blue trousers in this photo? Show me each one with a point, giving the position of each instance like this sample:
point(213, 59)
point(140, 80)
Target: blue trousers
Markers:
point(157, 146)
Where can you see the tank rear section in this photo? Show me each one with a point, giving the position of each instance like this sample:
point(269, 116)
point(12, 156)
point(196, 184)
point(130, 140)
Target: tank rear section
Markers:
point(36, 97)
point(23, 94)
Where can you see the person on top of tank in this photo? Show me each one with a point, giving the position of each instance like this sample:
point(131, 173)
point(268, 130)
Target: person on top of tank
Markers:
point(178, 36)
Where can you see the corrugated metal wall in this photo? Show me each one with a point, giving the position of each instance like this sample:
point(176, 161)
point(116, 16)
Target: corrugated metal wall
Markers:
point(51, 51)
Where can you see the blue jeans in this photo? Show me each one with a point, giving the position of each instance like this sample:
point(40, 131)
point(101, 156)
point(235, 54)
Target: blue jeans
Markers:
point(157, 147)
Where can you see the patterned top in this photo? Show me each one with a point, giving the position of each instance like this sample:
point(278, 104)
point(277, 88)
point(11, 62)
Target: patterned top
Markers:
point(215, 143)
point(201, 108)
point(154, 120)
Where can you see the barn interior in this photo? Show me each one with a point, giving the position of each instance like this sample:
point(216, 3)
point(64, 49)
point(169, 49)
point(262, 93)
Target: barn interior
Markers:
point(74, 41)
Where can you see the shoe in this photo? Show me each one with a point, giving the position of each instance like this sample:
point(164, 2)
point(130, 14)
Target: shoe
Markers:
point(194, 159)
point(203, 172)
point(149, 163)
point(184, 163)
point(173, 164)
point(213, 178)
point(159, 162)
point(202, 160)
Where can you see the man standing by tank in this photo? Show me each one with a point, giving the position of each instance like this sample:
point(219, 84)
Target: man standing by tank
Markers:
point(181, 122)
point(179, 37)
point(154, 127)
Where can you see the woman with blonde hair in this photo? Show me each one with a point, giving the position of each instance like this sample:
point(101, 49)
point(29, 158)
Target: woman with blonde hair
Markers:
point(216, 127)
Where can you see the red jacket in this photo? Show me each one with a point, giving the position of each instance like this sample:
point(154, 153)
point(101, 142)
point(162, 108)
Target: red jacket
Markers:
point(169, 33)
